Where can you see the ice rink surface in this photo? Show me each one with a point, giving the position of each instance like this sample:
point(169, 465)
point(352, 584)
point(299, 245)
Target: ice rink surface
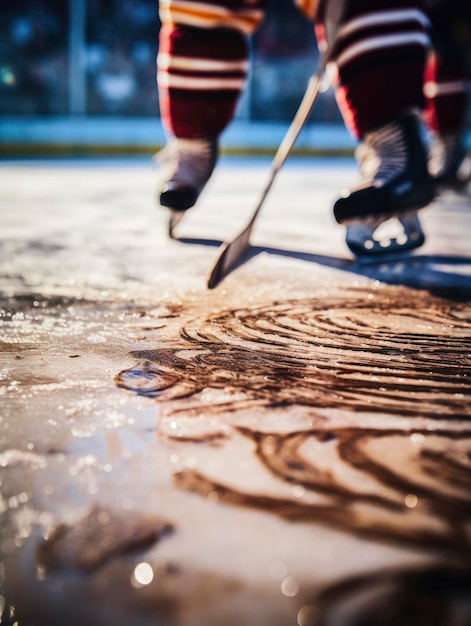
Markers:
point(291, 448)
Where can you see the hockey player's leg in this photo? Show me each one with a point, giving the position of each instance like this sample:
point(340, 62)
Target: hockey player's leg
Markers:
point(202, 68)
point(393, 164)
point(395, 183)
point(447, 89)
point(381, 51)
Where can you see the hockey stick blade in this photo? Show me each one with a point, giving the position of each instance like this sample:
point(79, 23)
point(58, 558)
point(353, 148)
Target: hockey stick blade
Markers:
point(231, 256)
point(234, 252)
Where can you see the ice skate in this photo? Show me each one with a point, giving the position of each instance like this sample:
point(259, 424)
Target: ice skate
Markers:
point(381, 212)
point(186, 166)
point(449, 164)
point(375, 237)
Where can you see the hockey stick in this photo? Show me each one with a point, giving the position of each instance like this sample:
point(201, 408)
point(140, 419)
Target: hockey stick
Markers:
point(233, 252)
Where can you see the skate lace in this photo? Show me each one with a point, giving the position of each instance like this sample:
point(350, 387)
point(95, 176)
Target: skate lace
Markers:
point(187, 161)
point(383, 155)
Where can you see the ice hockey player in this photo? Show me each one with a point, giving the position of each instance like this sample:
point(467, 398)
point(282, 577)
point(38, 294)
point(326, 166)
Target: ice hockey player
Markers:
point(381, 51)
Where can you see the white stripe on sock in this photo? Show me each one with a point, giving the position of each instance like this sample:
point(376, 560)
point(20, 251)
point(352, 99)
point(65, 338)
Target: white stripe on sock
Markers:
point(167, 62)
point(432, 89)
point(204, 15)
point(381, 18)
point(195, 83)
point(382, 41)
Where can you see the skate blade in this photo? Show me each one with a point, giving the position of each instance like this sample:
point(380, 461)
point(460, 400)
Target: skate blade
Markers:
point(175, 218)
point(376, 238)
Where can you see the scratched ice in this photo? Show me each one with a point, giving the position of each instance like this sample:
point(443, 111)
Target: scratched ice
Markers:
point(292, 447)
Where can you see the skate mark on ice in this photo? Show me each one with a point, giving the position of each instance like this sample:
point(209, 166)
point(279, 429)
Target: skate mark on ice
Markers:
point(374, 352)
point(390, 354)
point(401, 486)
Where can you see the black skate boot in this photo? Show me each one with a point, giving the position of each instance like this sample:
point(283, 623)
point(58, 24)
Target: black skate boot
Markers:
point(395, 184)
point(449, 164)
point(187, 165)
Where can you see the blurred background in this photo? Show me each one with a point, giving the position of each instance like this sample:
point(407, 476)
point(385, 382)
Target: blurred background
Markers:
point(79, 76)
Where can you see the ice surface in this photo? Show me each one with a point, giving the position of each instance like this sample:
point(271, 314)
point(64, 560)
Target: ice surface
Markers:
point(301, 433)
